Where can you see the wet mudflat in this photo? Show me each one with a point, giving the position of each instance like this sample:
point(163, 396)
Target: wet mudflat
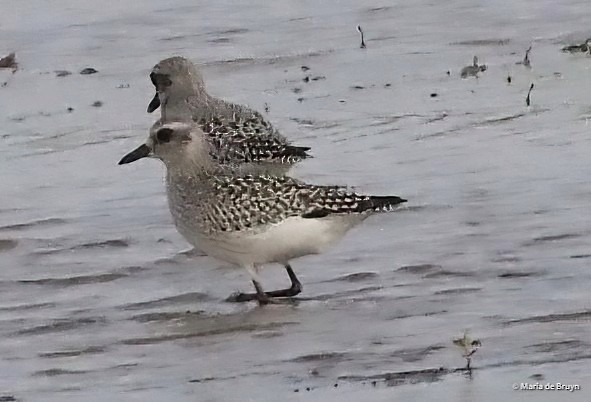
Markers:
point(100, 298)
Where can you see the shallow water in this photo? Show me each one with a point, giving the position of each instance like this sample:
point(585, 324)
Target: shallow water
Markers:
point(100, 300)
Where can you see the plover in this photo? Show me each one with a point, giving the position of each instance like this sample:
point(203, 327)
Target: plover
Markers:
point(472, 70)
point(250, 220)
point(582, 48)
point(243, 134)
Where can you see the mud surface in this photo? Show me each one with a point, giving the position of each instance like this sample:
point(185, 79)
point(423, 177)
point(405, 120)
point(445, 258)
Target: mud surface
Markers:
point(99, 300)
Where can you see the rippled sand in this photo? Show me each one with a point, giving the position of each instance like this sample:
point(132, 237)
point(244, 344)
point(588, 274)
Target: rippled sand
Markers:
point(101, 300)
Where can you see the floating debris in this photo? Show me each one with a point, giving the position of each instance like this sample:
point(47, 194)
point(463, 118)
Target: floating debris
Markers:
point(357, 86)
point(528, 99)
point(387, 85)
point(306, 78)
point(472, 70)
point(296, 90)
point(448, 73)
point(582, 48)
point(9, 61)
point(318, 78)
point(362, 46)
point(300, 100)
point(267, 107)
point(434, 95)
point(305, 68)
point(88, 71)
point(508, 78)
point(70, 109)
point(62, 73)
point(97, 104)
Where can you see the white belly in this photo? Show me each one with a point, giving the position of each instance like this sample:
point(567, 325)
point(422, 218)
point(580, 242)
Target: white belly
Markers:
point(292, 238)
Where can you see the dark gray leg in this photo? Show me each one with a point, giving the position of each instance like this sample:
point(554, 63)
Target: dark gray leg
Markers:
point(295, 289)
point(263, 297)
point(260, 295)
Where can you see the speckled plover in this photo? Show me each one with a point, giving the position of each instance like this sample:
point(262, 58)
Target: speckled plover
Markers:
point(243, 133)
point(250, 220)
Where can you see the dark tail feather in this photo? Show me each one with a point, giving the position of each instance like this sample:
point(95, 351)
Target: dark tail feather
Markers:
point(385, 203)
point(299, 152)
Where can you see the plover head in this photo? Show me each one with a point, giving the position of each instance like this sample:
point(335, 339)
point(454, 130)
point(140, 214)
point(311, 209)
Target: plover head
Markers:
point(176, 144)
point(175, 77)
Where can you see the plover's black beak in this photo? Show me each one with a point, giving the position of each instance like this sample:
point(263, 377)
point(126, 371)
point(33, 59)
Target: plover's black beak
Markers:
point(154, 103)
point(140, 152)
point(153, 79)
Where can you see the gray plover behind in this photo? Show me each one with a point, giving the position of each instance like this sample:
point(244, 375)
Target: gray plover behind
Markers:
point(243, 132)
point(472, 70)
point(250, 220)
point(242, 150)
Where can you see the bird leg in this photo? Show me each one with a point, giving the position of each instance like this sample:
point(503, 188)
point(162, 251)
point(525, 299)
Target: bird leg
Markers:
point(295, 289)
point(263, 297)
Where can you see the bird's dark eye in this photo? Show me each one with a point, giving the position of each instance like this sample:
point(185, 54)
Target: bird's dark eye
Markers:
point(160, 81)
point(164, 135)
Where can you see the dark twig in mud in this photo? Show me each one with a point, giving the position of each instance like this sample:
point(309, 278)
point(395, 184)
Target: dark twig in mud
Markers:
point(469, 347)
point(528, 99)
point(525, 60)
point(362, 46)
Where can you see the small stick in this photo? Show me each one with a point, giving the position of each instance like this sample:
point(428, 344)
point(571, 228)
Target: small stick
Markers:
point(528, 99)
point(361, 32)
point(526, 61)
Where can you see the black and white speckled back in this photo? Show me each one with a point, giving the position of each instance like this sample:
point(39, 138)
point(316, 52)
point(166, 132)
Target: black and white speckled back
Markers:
point(234, 204)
